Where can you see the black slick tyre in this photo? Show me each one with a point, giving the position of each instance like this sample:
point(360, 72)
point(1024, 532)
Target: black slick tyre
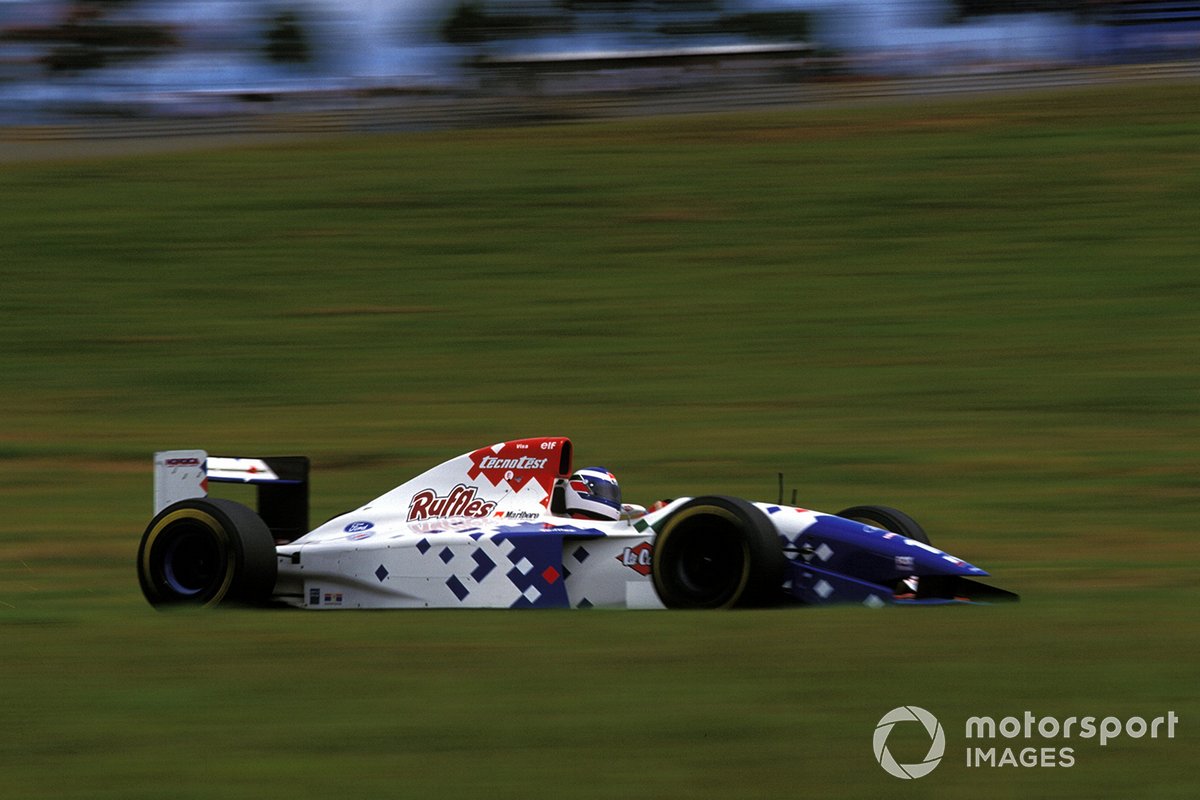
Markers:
point(890, 519)
point(718, 552)
point(206, 552)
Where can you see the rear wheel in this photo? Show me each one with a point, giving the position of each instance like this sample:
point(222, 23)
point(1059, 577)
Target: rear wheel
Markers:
point(717, 552)
point(206, 552)
point(890, 519)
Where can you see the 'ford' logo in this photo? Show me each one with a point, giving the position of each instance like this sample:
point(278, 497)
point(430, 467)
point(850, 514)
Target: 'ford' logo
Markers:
point(356, 527)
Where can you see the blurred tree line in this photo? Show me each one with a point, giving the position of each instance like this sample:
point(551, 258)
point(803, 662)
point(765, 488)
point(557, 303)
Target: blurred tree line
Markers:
point(98, 33)
point(987, 8)
point(87, 39)
point(476, 22)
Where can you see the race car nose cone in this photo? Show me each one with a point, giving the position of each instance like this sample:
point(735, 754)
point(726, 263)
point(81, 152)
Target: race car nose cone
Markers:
point(908, 555)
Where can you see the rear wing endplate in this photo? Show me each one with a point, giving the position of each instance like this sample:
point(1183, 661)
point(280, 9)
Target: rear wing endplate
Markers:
point(281, 483)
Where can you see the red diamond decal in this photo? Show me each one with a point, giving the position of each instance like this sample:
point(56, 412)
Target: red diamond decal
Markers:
point(550, 574)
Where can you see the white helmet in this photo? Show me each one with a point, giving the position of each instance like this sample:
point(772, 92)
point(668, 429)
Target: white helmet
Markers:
point(592, 493)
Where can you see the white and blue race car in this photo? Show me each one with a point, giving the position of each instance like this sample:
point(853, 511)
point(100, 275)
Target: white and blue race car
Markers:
point(515, 526)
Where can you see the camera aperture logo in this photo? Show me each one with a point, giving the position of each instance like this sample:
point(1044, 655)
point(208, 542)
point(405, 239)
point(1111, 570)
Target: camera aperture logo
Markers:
point(937, 744)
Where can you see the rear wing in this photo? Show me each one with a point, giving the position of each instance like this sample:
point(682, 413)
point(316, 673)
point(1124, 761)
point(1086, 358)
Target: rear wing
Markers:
point(281, 482)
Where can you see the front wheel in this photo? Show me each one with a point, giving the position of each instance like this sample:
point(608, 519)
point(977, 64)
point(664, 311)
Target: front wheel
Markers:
point(890, 519)
point(718, 552)
point(206, 552)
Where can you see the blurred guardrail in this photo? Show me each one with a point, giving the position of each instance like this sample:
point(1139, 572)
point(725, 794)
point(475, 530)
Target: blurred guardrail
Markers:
point(440, 111)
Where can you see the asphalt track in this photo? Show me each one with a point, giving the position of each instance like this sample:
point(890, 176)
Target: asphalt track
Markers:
point(447, 111)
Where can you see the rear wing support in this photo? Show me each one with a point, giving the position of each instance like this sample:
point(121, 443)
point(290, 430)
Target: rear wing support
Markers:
point(281, 482)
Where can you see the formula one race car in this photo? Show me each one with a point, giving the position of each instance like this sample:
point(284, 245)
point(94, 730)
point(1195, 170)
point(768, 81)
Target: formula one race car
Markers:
point(515, 526)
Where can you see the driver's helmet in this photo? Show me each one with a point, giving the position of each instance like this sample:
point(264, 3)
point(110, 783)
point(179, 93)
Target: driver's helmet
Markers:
point(592, 493)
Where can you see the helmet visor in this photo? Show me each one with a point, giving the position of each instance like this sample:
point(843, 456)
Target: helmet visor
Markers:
point(604, 489)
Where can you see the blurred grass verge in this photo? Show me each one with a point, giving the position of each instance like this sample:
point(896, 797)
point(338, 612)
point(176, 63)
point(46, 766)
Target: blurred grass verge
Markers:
point(983, 312)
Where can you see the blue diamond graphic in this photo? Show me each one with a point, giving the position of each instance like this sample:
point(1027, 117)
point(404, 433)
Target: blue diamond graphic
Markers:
point(381, 573)
point(446, 555)
point(424, 546)
point(485, 565)
point(584, 603)
point(457, 587)
point(581, 555)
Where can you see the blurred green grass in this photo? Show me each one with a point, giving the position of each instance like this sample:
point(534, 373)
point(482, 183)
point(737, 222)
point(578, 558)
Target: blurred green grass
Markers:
point(981, 311)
